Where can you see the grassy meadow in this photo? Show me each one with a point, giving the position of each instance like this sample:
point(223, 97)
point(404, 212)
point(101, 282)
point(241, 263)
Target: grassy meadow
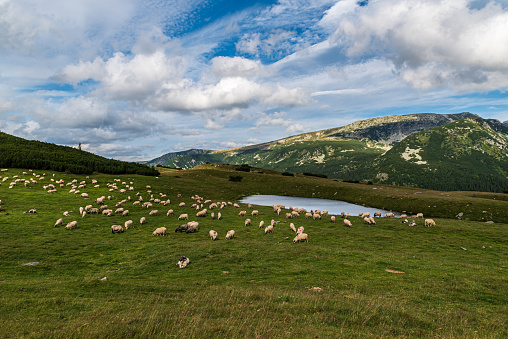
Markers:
point(452, 279)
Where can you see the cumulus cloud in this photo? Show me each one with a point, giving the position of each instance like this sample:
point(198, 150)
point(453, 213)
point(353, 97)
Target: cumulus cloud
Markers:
point(273, 45)
point(278, 119)
point(236, 67)
point(122, 77)
point(211, 124)
point(432, 42)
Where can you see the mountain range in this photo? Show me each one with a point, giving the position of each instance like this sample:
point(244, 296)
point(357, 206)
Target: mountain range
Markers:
point(459, 151)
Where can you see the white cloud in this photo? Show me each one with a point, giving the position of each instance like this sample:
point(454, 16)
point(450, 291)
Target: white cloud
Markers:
point(236, 67)
point(279, 119)
point(211, 124)
point(432, 42)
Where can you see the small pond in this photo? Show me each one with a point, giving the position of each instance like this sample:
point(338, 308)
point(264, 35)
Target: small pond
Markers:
point(333, 206)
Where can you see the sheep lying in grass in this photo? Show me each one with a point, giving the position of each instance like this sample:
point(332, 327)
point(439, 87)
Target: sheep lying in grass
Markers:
point(117, 229)
point(347, 223)
point(159, 231)
point(183, 262)
point(129, 224)
point(230, 235)
point(71, 225)
point(59, 222)
point(301, 237)
point(269, 229)
point(213, 234)
point(429, 222)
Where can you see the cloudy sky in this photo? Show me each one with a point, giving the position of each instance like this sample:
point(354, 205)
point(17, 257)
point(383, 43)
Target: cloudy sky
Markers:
point(134, 79)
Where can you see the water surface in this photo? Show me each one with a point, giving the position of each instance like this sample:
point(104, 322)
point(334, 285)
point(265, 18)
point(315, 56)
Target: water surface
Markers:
point(333, 206)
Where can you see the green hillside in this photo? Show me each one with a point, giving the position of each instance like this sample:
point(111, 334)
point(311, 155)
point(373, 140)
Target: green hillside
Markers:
point(22, 153)
point(462, 155)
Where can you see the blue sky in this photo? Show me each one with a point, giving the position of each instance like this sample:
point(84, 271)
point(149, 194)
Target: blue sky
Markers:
point(134, 79)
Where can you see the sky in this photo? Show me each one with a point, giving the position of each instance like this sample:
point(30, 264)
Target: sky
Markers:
point(135, 79)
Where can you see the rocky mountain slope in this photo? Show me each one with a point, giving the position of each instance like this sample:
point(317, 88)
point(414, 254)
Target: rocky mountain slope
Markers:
point(371, 149)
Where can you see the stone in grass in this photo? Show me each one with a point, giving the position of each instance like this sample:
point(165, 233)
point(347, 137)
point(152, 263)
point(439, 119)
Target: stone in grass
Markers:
point(33, 263)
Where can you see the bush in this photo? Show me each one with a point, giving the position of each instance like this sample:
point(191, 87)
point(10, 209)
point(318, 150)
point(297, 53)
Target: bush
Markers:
point(244, 168)
point(315, 175)
point(288, 174)
point(235, 178)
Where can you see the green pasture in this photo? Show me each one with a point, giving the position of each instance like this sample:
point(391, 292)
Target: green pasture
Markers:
point(343, 283)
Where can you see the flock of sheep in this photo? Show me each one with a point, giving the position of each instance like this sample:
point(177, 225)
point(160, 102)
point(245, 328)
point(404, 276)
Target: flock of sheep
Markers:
point(201, 207)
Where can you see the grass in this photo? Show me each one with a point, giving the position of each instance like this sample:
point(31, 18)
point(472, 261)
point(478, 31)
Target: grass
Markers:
point(256, 285)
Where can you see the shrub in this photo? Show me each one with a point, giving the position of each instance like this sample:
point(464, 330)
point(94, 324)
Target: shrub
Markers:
point(244, 168)
point(235, 178)
point(288, 174)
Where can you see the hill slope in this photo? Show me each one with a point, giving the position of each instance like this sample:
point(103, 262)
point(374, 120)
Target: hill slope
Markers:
point(22, 153)
point(347, 152)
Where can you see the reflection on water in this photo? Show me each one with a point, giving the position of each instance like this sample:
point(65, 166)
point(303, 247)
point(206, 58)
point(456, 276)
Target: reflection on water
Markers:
point(333, 206)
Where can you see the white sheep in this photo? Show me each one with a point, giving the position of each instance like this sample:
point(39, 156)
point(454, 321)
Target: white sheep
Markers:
point(170, 212)
point(129, 224)
point(292, 226)
point(212, 215)
point(261, 224)
point(119, 210)
point(429, 222)
point(308, 215)
point(183, 217)
point(142, 220)
point(419, 215)
point(269, 229)
point(316, 216)
point(347, 223)
point(125, 213)
point(160, 231)
point(389, 215)
point(230, 235)
point(242, 213)
point(83, 214)
point(117, 229)
point(301, 237)
point(332, 218)
point(255, 213)
point(59, 222)
point(66, 213)
point(182, 204)
point(247, 222)
point(71, 225)
point(154, 212)
point(201, 213)
point(300, 230)
point(213, 235)
point(219, 216)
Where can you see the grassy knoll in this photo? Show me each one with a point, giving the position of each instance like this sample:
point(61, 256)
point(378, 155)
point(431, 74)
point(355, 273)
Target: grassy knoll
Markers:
point(255, 285)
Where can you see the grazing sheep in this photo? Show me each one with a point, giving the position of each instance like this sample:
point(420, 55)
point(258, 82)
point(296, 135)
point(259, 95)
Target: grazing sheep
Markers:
point(183, 262)
point(182, 204)
point(192, 226)
point(389, 215)
point(292, 226)
point(154, 212)
point(125, 213)
point(81, 210)
point(142, 220)
point(219, 216)
point(236, 205)
point(181, 228)
point(332, 218)
point(429, 222)
point(419, 215)
point(213, 235)
point(403, 216)
point(71, 225)
point(242, 213)
point(247, 222)
point(300, 230)
point(366, 215)
point(66, 213)
point(316, 216)
point(159, 231)
point(230, 235)
point(129, 224)
point(83, 214)
point(84, 195)
point(369, 221)
point(301, 237)
point(183, 217)
point(261, 224)
point(308, 215)
point(212, 215)
point(377, 214)
point(347, 223)
point(269, 229)
point(170, 212)
point(289, 215)
point(119, 210)
point(59, 222)
point(117, 229)
point(255, 213)
point(412, 223)
point(201, 213)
